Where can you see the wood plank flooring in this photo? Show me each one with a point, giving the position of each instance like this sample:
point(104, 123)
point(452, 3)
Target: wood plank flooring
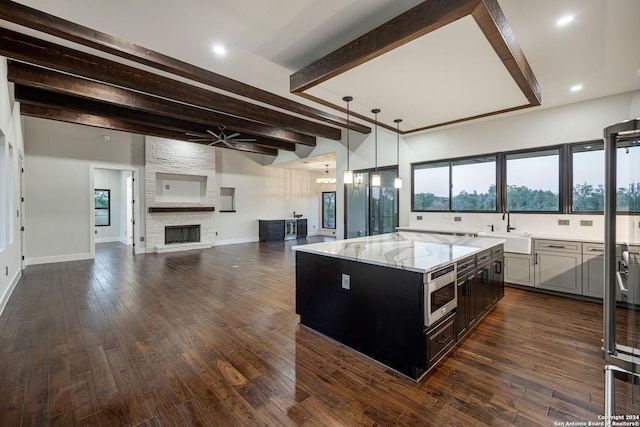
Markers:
point(211, 338)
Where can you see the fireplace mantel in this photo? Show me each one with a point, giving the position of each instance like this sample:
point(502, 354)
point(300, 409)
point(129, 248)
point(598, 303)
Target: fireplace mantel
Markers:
point(162, 209)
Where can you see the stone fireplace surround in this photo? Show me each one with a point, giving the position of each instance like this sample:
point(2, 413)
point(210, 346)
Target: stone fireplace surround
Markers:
point(166, 156)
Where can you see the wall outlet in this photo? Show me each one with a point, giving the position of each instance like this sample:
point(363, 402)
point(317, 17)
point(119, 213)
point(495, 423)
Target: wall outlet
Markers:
point(563, 222)
point(457, 218)
point(95, 231)
point(314, 226)
point(6, 271)
point(142, 238)
point(586, 223)
point(346, 281)
point(419, 217)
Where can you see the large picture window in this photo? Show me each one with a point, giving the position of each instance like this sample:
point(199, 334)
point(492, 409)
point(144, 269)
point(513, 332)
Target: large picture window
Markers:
point(459, 185)
point(329, 209)
point(473, 184)
point(533, 181)
point(102, 207)
point(431, 187)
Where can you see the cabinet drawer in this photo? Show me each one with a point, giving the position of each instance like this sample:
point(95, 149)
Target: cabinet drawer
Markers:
point(466, 266)
point(593, 248)
point(497, 251)
point(558, 246)
point(483, 257)
point(440, 339)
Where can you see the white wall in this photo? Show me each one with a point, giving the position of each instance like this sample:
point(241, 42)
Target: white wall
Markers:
point(263, 192)
point(110, 179)
point(59, 158)
point(11, 133)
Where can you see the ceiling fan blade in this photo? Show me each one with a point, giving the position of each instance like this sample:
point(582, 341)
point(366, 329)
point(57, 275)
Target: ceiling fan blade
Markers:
point(200, 140)
point(199, 135)
point(215, 134)
point(243, 140)
point(233, 135)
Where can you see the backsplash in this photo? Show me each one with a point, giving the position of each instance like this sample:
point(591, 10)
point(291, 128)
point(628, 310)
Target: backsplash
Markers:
point(536, 224)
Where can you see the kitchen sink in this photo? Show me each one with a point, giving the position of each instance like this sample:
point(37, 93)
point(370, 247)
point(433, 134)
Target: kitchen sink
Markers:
point(519, 243)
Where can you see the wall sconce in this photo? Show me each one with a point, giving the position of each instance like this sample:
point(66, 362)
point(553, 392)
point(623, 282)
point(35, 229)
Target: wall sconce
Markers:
point(397, 182)
point(375, 178)
point(348, 174)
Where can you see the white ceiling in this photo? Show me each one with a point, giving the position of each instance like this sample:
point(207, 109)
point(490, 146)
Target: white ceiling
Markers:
point(268, 40)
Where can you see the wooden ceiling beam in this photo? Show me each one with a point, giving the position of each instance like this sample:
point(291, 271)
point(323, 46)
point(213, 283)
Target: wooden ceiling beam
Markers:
point(29, 75)
point(30, 49)
point(81, 118)
point(44, 98)
point(50, 24)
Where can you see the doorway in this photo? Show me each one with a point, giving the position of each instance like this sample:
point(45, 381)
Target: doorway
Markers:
point(121, 186)
point(371, 210)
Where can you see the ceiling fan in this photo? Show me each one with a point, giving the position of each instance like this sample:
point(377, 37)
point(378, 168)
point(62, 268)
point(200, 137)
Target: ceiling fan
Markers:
point(219, 138)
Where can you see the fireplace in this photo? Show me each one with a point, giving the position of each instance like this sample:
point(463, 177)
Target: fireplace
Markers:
point(181, 234)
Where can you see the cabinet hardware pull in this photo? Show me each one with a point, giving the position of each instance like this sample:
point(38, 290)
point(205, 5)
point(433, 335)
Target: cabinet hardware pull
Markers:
point(596, 250)
point(535, 262)
point(443, 340)
point(557, 246)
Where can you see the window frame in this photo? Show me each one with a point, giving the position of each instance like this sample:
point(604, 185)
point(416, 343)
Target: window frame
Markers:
point(334, 210)
point(562, 178)
point(571, 184)
point(450, 164)
point(98, 208)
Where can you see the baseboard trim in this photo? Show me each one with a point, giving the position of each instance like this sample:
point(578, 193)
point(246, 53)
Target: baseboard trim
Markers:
point(236, 241)
point(59, 258)
point(9, 291)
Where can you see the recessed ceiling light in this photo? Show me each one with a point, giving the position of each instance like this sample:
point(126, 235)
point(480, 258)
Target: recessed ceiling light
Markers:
point(576, 88)
point(219, 49)
point(565, 20)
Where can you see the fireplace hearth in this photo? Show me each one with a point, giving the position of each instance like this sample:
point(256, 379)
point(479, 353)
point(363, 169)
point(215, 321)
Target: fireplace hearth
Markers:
point(177, 234)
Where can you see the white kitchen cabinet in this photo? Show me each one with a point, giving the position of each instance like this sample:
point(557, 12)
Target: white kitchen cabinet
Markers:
point(558, 266)
point(593, 269)
point(518, 269)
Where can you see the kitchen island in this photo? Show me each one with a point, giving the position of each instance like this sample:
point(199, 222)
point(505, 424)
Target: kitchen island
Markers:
point(373, 293)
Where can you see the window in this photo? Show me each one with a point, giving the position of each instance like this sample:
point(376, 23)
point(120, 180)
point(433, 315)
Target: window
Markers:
point(329, 209)
point(533, 181)
point(10, 172)
point(102, 207)
point(459, 185)
point(587, 171)
point(3, 195)
point(473, 184)
point(431, 187)
point(628, 177)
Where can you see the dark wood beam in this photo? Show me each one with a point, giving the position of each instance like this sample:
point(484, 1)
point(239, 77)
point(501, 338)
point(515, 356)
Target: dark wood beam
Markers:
point(497, 30)
point(49, 24)
point(68, 116)
point(30, 49)
point(44, 98)
point(418, 21)
point(29, 75)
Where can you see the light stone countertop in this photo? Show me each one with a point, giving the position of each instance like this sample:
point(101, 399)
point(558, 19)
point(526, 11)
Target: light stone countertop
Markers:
point(420, 252)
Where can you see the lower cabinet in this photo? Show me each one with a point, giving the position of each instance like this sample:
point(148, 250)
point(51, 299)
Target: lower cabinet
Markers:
point(518, 269)
point(593, 270)
point(440, 339)
point(301, 228)
point(558, 266)
point(479, 289)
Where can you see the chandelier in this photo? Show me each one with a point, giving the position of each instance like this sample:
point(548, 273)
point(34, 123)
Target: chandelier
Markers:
point(326, 179)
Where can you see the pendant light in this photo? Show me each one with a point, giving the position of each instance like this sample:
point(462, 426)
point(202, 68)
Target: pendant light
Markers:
point(375, 178)
point(348, 174)
point(397, 182)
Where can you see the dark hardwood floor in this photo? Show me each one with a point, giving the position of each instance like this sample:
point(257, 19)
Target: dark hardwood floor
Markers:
point(211, 338)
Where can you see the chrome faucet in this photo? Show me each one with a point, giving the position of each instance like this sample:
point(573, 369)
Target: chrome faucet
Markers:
point(505, 212)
